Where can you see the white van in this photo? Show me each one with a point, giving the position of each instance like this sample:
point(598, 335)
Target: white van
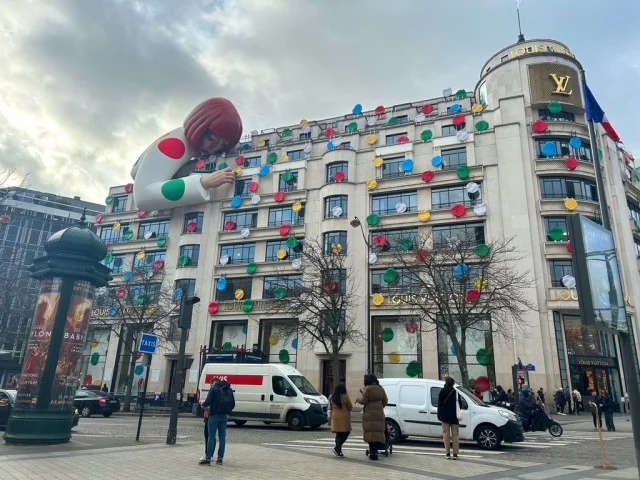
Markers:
point(270, 393)
point(413, 411)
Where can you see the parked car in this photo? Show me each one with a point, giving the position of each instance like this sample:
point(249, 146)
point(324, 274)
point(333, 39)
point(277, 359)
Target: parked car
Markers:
point(91, 403)
point(8, 400)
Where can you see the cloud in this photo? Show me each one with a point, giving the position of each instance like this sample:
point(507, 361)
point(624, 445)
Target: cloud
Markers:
point(88, 85)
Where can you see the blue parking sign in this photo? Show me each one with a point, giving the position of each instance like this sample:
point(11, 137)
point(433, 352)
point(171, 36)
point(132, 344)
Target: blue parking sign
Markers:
point(148, 343)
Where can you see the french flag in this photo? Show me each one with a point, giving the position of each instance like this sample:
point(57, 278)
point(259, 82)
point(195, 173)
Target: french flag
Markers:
point(596, 114)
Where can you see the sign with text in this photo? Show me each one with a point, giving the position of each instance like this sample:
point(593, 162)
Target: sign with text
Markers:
point(148, 343)
point(597, 274)
point(549, 82)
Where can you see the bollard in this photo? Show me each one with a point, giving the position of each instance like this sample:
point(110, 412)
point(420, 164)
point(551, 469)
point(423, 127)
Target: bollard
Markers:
point(604, 465)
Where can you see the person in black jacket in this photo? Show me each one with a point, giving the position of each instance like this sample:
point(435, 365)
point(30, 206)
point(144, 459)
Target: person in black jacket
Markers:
point(220, 402)
point(449, 404)
point(502, 395)
point(607, 410)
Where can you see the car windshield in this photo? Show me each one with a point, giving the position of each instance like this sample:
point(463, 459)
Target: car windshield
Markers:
point(12, 395)
point(303, 385)
point(471, 396)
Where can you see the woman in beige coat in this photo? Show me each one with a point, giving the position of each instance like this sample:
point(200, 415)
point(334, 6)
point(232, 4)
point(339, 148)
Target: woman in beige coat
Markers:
point(340, 417)
point(373, 398)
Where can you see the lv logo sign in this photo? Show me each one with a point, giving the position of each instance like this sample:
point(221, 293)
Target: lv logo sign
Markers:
point(561, 84)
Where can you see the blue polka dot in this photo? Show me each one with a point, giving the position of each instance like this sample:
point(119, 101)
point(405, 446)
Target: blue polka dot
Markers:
point(575, 142)
point(453, 350)
point(128, 276)
point(178, 294)
point(461, 271)
point(244, 329)
point(407, 166)
point(331, 146)
point(357, 110)
point(436, 161)
point(113, 312)
point(264, 170)
point(457, 108)
point(294, 344)
point(222, 284)
point(236, 202)
point(549, 149)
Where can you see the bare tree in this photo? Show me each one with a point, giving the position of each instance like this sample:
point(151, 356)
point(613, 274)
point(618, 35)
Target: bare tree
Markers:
point(461, 287)
point(323, 301)
point(8, 179)
point(140, 303)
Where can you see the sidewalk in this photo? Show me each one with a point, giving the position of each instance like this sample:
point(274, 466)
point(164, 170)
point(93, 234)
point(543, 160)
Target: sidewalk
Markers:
point(180, 462)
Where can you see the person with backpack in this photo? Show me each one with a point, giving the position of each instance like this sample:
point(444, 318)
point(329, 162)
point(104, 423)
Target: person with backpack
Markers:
point(220, 403)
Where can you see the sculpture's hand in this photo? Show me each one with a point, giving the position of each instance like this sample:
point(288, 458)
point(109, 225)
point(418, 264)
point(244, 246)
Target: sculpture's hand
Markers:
point(216, 179)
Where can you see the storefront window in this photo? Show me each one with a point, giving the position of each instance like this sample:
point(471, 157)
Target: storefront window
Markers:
point(279, 343)
point(95, 355)
point(397, 347)
point(480, 357)
point(231, 336)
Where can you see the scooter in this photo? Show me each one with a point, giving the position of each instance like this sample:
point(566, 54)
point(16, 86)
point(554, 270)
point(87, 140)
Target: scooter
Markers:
point(544, 422)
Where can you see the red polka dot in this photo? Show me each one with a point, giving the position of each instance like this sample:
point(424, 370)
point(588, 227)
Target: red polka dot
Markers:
point(458, 120)
point(128, 187)
point(279, 197)
point(572, 163)
point(284, 230)
point(427, 109)
point(428, 176)
point(458, 211)
point(172, 147)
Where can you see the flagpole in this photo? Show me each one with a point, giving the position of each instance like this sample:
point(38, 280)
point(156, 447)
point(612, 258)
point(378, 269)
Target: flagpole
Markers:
point(520, 36)
point(626, 341)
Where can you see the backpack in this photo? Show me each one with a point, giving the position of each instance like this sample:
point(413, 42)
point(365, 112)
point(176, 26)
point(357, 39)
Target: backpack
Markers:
point(226, 401)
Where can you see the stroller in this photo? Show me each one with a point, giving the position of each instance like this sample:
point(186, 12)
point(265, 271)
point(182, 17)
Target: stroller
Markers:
point(386, 448)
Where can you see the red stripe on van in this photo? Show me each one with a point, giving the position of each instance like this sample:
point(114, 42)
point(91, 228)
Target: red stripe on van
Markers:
point(251, 380)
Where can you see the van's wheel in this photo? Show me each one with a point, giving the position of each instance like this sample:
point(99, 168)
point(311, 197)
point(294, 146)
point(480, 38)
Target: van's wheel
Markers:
point(240, 422)
point(395, 436)
point(296, 421)
point(107, 414)
point(488, 437)
point(85, 412)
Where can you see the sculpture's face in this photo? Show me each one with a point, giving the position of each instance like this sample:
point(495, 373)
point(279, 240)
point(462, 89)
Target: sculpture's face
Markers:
point(211, 143)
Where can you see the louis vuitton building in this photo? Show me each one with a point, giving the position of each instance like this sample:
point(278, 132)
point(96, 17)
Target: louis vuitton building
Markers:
point(520, 135)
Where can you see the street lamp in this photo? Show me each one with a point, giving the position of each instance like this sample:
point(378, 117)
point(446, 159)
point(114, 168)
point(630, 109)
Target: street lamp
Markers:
point(355, 223)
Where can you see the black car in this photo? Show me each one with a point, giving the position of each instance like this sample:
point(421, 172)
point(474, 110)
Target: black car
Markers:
point(91, 403)
point(7, 402)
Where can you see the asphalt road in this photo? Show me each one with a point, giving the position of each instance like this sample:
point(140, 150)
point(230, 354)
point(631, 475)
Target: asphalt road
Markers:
point(579, 444)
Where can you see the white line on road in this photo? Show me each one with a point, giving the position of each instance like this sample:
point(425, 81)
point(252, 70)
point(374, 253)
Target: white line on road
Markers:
point(330, 442)
point(441, 454)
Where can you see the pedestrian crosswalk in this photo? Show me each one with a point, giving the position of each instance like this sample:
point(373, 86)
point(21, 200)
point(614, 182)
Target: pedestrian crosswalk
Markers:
point(433, 446)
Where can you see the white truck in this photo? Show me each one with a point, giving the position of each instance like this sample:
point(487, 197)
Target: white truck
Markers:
point(270, 393)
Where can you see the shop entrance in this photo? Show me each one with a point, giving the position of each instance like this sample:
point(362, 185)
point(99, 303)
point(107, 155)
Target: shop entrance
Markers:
point(328, 383)
point(590, 379)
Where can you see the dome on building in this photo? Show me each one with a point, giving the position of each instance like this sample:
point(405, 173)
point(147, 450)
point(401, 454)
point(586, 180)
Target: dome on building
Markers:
point(79, 240)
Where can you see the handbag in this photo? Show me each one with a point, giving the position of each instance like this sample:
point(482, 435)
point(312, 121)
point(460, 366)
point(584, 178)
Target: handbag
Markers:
point(458, 412)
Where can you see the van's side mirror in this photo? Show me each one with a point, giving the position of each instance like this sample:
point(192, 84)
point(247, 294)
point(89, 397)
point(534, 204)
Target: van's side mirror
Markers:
point(289, 392)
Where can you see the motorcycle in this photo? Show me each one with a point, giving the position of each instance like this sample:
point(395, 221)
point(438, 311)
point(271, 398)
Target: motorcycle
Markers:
point(507, 405)
point(544, 422)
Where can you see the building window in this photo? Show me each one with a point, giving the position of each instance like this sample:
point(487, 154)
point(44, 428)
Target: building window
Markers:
point(449, 112)
point(477, 338)
point(333, 239)
point(454, 158)
point(117, 264)
point(563, 149)
point(119, 204)
point(174, 329)
point(189, 256)
point(337, 275)
point(291, 283)
point(637, 244)
point(295, 155)
point(233, 284)
point(187, 285)
point(241, 187)
point(402, 119)
point(274, 245)
point(279, 336)
point(468, 233)
point(193, 222)
point(482, 92)
point(548, 116)
point(445, 279)
point(393, 167)
point(156, 228)
point(337, 167)
point(393, 139)
point(285, 216)
point(406, 283)
point(559, 268)
point(397, 347)
point(561, 187)
point(290, 186)
point(242, 219)
point(239, 253)
point(395, 236)
point(385, 204)
point(230, 336)
point(251, 162)
point(450, 130)
point(344, 146)
point(449, 196)
point(109, 235)
point(335, 201)
point(149, 259)
point(267, 142)
point(305, 136)
point(634, 212)
point(551, 223)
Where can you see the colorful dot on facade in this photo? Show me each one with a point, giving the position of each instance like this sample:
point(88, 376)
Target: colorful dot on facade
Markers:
point(173, 148)
point(173, 189)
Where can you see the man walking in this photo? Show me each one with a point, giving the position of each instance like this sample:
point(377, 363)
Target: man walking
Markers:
point(220, 403)
point(607, 409)
point(577, 400)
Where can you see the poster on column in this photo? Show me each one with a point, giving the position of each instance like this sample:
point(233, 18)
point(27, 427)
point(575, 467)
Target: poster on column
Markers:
point(38, 344)
point(67, 376)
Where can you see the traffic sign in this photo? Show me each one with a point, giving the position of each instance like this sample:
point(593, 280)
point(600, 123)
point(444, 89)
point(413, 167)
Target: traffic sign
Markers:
point(148, 343)
point(531, 367)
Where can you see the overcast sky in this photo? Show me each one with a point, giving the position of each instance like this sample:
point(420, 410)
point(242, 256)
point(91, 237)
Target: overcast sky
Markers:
point(86, 85)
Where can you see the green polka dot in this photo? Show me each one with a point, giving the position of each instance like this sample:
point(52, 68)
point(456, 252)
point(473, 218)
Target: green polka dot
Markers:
point(387, 335)
point(284, 356)
point(173, 189)
point(413, 369)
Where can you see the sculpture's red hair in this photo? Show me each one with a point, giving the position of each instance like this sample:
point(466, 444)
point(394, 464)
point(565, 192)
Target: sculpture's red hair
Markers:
point(216, 114)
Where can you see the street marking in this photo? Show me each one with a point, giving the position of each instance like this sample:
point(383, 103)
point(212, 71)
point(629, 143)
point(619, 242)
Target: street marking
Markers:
point(396, 448)
point(440, 454)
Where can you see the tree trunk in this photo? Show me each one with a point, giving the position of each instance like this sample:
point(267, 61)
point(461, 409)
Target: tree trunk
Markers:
point(461, 355)
point(127, 396)
point(335, 365)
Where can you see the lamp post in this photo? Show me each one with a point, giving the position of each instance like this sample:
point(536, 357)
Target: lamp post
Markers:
point(355, 223)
